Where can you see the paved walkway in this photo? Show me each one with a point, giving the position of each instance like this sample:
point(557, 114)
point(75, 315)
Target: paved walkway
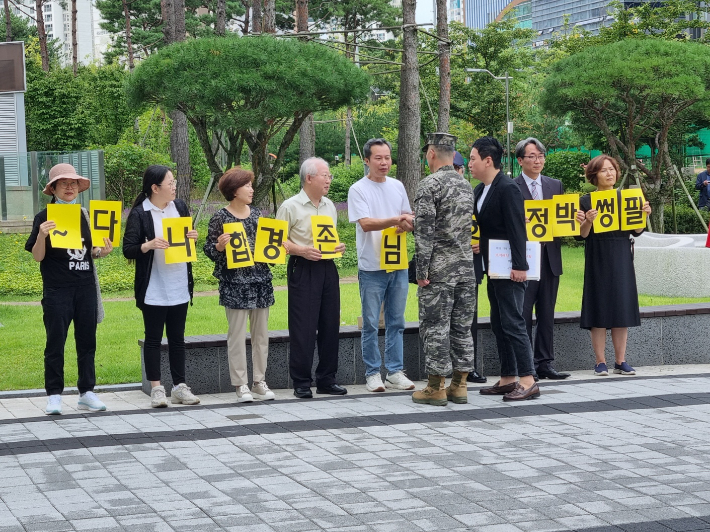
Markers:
point(592, 454)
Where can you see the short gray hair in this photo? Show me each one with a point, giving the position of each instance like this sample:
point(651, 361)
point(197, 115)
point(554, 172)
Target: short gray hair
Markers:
point(520, 147)
point(310, 167)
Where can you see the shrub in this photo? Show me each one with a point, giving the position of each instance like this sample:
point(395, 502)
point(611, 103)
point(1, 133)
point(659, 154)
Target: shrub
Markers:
point(688, 223)
point(566, 166)
point(124, 164)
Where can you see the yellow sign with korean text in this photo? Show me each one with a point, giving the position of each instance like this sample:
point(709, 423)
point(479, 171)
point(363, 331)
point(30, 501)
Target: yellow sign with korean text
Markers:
point(182, 248)
point(393, 250)
point(539, 214)
point(325, 236)
point(105, 219)
point(565, 217)
point(606, 203)
point(238, 252)
point(475, 231)
point(67, 234)
point(270, 236)
point(632, 214)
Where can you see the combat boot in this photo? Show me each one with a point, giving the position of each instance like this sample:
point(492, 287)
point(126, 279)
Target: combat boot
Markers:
point(434, 393)
point(457, 391)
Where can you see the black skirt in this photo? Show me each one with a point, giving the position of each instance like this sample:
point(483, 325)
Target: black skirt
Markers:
point(610, 297)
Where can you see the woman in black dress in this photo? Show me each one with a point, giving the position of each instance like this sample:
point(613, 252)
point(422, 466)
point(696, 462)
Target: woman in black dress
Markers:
point(610, 299)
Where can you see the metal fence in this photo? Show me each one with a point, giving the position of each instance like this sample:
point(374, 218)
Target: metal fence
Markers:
point(24, 175)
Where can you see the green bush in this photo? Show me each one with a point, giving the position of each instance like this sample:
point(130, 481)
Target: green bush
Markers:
point(124, 164)
point(566, 166)
point(688, 223)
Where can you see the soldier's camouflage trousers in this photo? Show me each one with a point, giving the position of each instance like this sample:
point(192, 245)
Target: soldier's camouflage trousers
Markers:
point(445, 317)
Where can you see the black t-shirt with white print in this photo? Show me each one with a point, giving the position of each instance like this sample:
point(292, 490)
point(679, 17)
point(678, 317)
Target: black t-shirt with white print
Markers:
point(64, 267)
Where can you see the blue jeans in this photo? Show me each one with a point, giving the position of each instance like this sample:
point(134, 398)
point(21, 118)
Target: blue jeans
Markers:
point(392, 288)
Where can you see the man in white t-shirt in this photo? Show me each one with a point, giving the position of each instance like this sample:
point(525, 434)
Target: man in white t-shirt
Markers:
point(377, 202)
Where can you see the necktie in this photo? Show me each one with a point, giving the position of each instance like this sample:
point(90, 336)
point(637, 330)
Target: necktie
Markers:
point(534, 190)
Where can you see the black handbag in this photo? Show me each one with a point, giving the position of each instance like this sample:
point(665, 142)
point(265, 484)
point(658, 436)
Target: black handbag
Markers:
point(413, 270)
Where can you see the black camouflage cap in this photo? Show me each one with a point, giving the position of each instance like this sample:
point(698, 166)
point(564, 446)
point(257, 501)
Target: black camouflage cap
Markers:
point(440, 139)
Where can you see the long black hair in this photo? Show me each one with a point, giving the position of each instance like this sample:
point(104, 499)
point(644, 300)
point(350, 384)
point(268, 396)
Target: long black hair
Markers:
point(153, 175)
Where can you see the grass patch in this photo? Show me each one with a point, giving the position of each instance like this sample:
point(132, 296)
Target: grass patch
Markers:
point(118, 355)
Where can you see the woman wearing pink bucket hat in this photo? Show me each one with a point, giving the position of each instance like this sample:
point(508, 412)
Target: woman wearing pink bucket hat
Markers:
point(70, 293)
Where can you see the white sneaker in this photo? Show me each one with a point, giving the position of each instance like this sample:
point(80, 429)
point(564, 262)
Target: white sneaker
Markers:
point(89, 401)
point(399, 381)
point(157, 397)
point(261, 391)
point(54, 405)
point(182, 394)
point(243, 394)
point(374, 383)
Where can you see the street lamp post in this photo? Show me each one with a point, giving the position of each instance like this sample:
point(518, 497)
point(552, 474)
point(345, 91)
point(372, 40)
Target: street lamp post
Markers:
point(508, 123)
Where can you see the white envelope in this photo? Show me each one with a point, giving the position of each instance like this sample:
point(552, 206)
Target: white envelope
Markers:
point(500, 262)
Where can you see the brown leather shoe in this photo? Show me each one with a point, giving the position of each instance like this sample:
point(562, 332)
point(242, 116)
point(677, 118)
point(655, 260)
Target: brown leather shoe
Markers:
point(521, 394)
point(497, 389)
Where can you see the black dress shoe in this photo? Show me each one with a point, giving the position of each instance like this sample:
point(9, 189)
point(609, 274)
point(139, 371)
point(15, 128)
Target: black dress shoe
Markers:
point(303, 393)
point(332, 389)
point(552, 373)
point(474, 376)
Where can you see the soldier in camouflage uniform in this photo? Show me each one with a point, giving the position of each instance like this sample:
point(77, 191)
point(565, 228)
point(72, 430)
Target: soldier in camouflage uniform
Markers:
point(447, 290)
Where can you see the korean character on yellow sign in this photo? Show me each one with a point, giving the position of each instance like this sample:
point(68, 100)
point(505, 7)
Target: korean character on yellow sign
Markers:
point(270, 236)
point(565, 219)
point(106, 221)
point(238, 252)
point(475, 231)
point(606, 204)
point(182, 248)
point(539, 214)
point(393, 250)
point(325, 236)
point(632, 214)
point(67, 234)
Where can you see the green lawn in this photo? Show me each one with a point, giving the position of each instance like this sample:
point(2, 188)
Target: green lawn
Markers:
point(118, 356)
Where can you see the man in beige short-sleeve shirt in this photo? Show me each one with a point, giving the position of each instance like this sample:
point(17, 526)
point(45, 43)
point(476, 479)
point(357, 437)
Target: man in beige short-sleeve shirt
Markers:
point(313, 285)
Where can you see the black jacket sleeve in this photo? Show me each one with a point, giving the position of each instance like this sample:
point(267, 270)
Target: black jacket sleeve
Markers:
point(513, 214)
point(133, 236)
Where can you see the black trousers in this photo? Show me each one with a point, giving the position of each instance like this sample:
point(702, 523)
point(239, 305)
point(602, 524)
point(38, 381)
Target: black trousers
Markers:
point(313, 316)
point(542, 295)
point(508, 325)
point(61, 306)
point(172, 319)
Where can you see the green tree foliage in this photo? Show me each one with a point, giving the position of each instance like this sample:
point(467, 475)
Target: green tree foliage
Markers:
point(147, 23)
point(567, 166)
point(124, 164)
point(247, 88)
point(104, 103)
point(633, 91)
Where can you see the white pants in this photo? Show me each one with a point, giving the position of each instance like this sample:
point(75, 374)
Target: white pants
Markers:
point(236, 343)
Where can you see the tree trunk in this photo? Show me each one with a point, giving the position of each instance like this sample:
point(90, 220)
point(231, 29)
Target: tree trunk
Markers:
point(8, 22)
point(245, 24)
point(442, 30)
point(74, 44)
point(307, 133)
point(42, 35)
point(179, 140)
point(129, 43)
point(221, 24)
point(269, 21)
point(348, 126)
point(256, 16)
point(179, 20)
point(408, 153)
point(168, 13)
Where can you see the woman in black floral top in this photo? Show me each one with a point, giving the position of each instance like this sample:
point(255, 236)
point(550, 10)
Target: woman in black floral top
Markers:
point(243, 292)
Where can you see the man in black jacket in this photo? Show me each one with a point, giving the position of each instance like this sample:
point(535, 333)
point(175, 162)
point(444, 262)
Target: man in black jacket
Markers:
point(541, 294)
point(498, 205)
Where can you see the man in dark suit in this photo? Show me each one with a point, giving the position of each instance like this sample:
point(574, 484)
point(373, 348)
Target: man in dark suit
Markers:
point(701, 183)
point(498, 205)
point(541, 294)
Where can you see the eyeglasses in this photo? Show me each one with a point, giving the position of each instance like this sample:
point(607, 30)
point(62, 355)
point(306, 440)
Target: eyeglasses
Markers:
point(172, 184)
point(67, 184)
point(532, 158)
point(327, 176)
